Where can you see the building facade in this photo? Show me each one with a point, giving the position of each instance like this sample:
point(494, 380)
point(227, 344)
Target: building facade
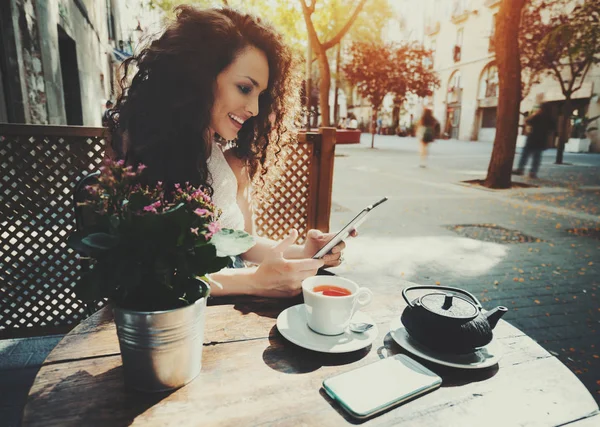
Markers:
point(58, 58)
point(460, 32)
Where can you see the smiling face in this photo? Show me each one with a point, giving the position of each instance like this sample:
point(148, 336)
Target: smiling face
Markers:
point(237, 91)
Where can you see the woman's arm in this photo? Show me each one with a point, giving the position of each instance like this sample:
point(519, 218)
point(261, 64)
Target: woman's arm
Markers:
point(275, 277)
point(263, 246)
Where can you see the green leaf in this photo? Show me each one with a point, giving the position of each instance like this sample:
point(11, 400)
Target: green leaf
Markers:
point(90, 286)
point(232, 242)
point(137, 201)
point(218, 264)
point(100, 241)
point(74, 242)
point(195, 288)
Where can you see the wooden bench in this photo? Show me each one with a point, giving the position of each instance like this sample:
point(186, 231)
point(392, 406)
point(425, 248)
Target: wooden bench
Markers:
point(41, 166)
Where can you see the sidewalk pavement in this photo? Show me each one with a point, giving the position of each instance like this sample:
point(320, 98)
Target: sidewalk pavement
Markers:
point(534, 250)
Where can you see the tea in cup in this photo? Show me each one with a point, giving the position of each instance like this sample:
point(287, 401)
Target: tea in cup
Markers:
point(331, 301)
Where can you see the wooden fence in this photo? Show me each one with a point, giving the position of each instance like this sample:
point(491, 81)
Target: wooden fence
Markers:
point(40, 166)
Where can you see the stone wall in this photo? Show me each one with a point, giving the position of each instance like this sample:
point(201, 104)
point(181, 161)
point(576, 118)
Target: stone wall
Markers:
point(36, 34)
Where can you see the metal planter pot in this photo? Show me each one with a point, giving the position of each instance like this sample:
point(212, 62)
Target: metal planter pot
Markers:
point(161, 350)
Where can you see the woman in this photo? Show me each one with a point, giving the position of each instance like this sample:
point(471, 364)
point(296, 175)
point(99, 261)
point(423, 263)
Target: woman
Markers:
point(426, 134)
point(219, 75)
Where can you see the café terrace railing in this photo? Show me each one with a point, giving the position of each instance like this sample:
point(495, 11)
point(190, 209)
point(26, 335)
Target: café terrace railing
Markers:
point(41, 166)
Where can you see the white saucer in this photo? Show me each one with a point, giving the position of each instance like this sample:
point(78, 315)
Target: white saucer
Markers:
point(292, 325)
point(484, 357)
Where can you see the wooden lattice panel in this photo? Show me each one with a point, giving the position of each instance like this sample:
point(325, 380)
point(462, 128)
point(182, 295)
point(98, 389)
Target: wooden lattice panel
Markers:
point(285, 204)
point(37, 269)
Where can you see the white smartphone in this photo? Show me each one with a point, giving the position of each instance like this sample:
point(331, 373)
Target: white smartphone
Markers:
point(345, 232)
point(371, 389)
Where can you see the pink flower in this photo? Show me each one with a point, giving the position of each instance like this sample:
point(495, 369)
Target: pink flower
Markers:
point(141, 167)
point(120, 163)
point(194, 231)
point(201, 212)
point(150, 208)
point(214, 227)
point(91, 190)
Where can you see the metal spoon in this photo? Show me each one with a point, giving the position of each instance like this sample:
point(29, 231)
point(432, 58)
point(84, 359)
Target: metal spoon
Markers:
point(360, 327)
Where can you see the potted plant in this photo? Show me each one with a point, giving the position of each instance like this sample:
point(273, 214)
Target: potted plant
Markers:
point(578, 142)
point(152, 249)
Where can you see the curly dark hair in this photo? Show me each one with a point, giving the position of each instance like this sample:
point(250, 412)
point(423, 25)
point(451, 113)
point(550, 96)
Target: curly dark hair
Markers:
point(161, 118)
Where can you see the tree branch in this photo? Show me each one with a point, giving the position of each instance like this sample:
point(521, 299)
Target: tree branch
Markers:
point(556, 69)
point(582, 80)
point(310, 28)
point(336, 39)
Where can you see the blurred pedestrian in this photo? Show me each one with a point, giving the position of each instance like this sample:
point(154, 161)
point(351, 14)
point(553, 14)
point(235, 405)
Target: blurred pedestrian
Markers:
point(426, 129)
point(379, 125)
point(342, 123)
point(353, 123)
point(541, 125)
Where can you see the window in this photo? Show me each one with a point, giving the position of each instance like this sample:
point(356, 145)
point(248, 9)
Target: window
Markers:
point(488, 85)
point(459, 36)
point(488, 118)
point(454, 89)
point(457, 50)
point(492, 45)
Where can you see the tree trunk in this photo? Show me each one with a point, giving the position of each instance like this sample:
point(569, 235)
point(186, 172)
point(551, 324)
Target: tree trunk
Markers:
point(324, 86)
point(373, 120)
point(336, 107)
point(563, 134)
point(321, 51)
point(509, 96)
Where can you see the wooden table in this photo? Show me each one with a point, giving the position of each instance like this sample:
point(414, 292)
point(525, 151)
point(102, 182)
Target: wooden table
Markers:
point(252, 376)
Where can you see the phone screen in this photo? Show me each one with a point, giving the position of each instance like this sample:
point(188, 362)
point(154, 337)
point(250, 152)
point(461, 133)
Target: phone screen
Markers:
point(345, 232)
point(373, 388)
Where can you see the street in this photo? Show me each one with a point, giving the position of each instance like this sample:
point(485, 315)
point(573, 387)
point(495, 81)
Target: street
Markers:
point(534, 250)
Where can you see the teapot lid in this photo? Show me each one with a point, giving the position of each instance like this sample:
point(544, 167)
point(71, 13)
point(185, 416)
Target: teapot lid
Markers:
point(449, 305)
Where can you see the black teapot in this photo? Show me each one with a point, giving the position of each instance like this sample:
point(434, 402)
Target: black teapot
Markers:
point(449, 323)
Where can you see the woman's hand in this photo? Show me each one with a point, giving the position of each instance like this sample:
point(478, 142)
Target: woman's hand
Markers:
point(315, 240)
point(278, 277)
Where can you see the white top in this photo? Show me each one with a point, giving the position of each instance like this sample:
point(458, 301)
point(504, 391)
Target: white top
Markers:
point(225, 186)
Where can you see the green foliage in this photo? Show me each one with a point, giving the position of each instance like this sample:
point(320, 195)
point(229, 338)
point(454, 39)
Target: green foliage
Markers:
point(560, 39)
point(581, 126)
point(153, 246)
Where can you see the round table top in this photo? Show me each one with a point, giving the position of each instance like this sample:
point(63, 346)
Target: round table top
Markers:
point(252, 375)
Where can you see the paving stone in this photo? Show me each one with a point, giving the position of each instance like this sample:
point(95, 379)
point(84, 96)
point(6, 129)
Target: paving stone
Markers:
point(425, 203)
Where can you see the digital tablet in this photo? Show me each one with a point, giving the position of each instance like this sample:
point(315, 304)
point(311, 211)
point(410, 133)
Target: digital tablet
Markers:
point(345, 232)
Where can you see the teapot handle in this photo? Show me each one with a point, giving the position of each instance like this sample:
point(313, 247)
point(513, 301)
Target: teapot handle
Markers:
point(443, 288)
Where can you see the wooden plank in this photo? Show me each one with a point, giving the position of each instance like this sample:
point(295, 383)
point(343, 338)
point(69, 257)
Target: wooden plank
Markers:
point(236, 319)
point(53, 130)
point(325, 164)
point(272, 382)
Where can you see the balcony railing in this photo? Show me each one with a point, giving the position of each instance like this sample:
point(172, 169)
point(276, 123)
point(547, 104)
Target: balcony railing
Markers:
point(459, 15)
point(491, 3)
point(491, 90)
point(454, 95)
point(432, 29)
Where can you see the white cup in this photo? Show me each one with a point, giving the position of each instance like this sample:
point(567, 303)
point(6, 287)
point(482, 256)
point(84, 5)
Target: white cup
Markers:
point(330, 315)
